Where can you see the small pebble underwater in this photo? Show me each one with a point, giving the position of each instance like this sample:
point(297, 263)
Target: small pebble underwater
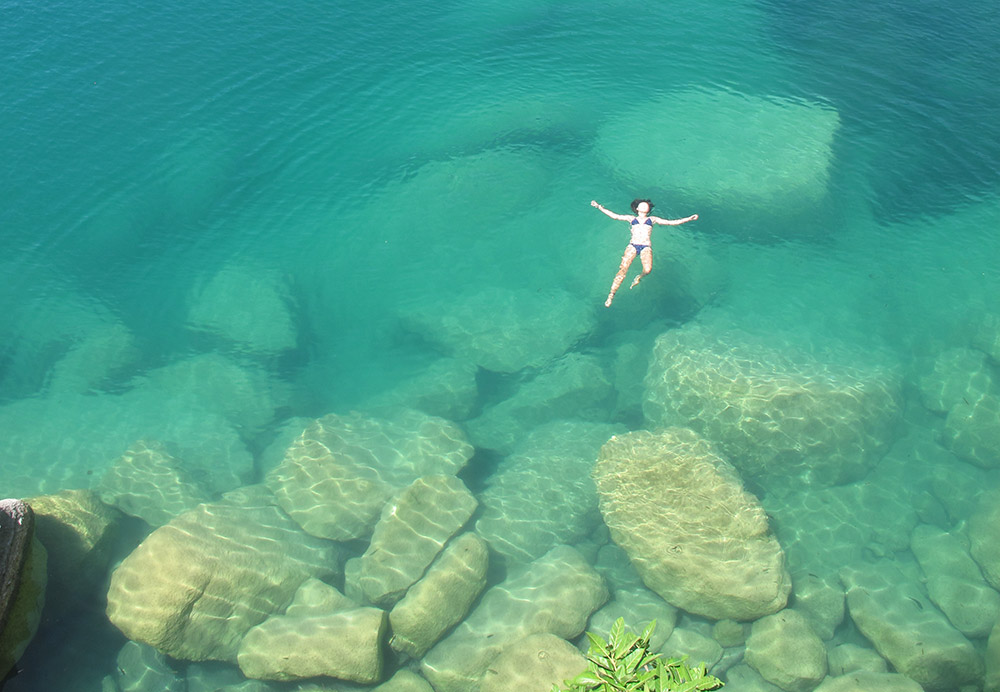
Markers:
point(306, 374)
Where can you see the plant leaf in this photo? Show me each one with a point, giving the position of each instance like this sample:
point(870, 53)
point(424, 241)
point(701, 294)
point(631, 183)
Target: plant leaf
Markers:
point(617, 630)
point(596, 641)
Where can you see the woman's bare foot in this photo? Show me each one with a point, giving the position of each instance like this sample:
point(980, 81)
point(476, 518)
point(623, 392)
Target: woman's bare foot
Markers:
point(607, 303)
point(635, 282)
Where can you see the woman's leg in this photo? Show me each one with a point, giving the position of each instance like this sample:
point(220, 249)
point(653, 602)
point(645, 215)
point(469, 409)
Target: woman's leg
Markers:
point(646, 256)
point(620, 276)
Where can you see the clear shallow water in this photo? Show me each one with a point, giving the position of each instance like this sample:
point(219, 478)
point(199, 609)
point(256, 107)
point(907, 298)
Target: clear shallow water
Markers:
point(369, 159)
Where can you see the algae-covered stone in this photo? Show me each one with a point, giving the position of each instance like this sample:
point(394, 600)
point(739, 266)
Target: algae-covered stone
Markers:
point(865, 681)
point(339, 473)
point(505, 330)
point(749, 154)
point(442, 598)
point(148, 483)
point(954, 582)
point(542, 495)
point(784, 649)
point(984, 527)
point(346, 645)
point(555, 594)
point(972, 431)
point(575, 386)
point(411, 532)
point(784, 418)
point(195, 586)
point(79, 532)
point(695, 535)
point(533, 664)
point(22, 581)
point(906, 628)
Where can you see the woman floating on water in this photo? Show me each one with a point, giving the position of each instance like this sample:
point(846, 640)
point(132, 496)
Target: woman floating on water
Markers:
point(642, 225)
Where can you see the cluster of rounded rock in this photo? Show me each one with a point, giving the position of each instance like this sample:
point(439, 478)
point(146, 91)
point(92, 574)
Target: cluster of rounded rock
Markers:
point(247, 579)
point(963, 385)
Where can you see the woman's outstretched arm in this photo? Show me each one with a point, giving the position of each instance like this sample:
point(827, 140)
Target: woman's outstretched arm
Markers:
point(673, 222)
point(606, 212)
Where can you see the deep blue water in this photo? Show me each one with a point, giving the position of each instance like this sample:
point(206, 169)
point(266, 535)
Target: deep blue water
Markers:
point(363, 159)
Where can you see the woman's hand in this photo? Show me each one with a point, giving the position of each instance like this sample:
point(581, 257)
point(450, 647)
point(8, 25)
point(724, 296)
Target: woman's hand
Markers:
point(594, 204)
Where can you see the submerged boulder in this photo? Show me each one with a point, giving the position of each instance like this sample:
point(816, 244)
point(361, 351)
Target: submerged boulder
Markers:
point(575, 386)
point(822, 529)
point(984, 527)
point(993, 660)
point(339, 473)
point(906, 628)
point(343, 644)
point(542, 495)
point(554, 594)
point(37, 461)
point(245, 393)
point(958, 375)
point(851, 658)
point(505, 330)
point(533, 664)
point(79, 532)
point(954, 582)
point(149, 483)
point(441, 598)
point(749, 156)
point(141, 668)
point(22, 581)
point(446, 388)
point(412, 530)
point(103, 352)
point(867, 681)
point(972, 431)
point(249, 306)
point(638, 607)
point(696, 537)
point(784, 649)
point(195, 586)
point(782, 418)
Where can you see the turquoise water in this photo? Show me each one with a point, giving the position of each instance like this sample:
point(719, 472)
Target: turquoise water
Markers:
point(284, 185)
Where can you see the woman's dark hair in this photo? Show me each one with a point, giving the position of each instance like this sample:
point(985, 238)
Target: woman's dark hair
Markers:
point(635, 204)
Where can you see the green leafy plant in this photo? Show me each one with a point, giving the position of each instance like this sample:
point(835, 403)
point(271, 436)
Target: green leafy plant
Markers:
point(624, 664)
